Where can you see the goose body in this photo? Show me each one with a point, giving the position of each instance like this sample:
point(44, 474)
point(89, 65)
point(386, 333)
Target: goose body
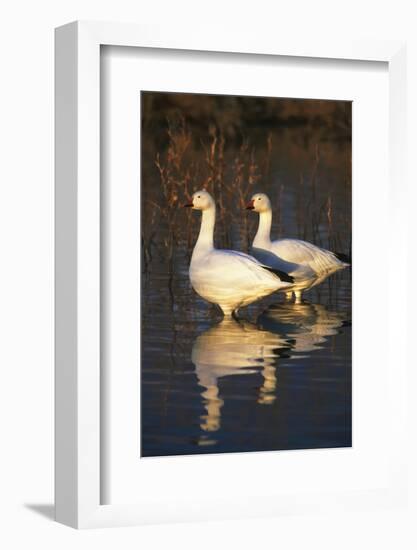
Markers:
point(307, 263)
point(228, 278)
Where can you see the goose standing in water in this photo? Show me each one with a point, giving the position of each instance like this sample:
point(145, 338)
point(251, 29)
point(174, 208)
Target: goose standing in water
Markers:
point(309, 264)
point(228, 278)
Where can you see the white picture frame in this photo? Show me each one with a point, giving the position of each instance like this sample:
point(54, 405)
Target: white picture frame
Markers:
point(78, 247)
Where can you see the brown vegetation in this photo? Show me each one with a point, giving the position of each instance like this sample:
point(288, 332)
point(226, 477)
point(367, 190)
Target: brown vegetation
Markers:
point(178, 157)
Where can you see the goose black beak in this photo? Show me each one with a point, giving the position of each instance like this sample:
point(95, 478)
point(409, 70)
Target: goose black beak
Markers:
point(188, 204)
point(250, 206)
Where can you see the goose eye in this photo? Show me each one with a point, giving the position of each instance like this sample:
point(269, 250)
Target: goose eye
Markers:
point(198, 197)
point(259, 198)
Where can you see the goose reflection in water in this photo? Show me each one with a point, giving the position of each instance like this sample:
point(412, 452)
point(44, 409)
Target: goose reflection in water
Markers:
point(243, 348)
point(306, 326)
point(232, 348)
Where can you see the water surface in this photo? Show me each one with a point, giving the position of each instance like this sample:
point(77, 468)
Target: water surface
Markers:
point(280, 378)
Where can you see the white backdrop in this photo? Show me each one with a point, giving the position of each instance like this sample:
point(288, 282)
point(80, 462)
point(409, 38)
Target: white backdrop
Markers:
point(26, 275)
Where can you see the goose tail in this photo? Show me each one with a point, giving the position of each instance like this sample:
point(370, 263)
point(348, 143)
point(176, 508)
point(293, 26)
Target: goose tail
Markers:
point(343, 258)
point(280, 274)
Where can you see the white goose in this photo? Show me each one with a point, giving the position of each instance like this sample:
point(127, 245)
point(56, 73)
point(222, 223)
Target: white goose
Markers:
point(227, 278)
point(311, 265)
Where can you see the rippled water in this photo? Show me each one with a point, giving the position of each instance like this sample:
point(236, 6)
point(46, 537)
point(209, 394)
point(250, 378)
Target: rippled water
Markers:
point(280, 379)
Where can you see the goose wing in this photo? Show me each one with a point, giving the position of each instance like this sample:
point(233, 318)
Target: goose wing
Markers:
point(239, 271)
point(296, 270)
point(258, 267)
point(307, 254)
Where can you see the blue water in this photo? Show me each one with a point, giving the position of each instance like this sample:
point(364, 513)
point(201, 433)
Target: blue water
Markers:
point(278, 379)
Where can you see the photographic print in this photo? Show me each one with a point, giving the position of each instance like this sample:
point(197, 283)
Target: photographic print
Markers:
point(246, 229)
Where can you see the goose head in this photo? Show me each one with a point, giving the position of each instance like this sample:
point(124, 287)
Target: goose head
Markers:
point(201, 200)
point(259, 203)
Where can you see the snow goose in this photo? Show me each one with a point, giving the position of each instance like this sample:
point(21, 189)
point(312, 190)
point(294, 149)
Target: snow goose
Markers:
point(227, 278)
point(310, 264)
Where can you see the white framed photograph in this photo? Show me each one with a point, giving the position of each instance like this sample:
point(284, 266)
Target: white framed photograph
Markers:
point(220, 209)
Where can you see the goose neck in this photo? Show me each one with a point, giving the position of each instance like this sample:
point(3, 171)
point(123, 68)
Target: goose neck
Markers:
point(263, 235)
point(205, 237)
